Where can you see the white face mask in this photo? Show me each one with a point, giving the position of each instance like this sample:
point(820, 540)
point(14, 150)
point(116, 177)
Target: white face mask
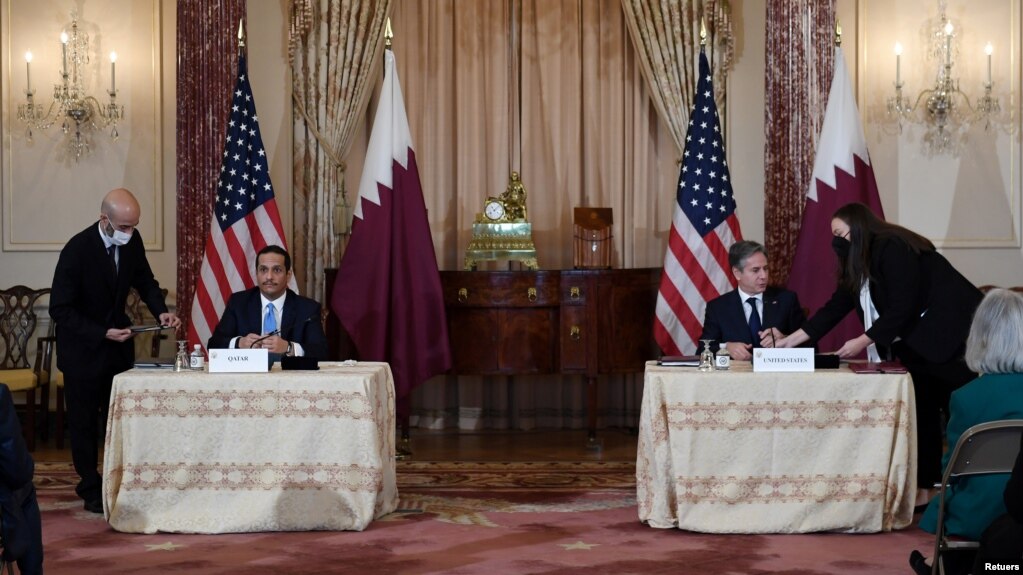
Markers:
point(117, 237)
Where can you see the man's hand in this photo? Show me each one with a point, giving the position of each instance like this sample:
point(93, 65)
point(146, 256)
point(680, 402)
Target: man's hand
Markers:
point(169, 319)
point(793, 339)
point(248, 341)
point(739, 351)
point(769, 336)
point(115, 334)
point(273, 343)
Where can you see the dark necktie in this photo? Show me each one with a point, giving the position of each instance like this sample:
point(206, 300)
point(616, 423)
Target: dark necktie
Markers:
point(754, 321)
point(112, 252)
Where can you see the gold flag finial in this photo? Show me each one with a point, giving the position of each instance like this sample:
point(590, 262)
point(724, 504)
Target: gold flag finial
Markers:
point(388, 34)
point(703, 32)
point(241, 33)
point(838, 32)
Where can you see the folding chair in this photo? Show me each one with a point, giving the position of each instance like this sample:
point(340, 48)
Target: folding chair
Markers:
point(982, 449)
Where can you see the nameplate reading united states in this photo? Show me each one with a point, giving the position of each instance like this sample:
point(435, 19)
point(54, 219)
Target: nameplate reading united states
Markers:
point(239, 361)
point(773, 359)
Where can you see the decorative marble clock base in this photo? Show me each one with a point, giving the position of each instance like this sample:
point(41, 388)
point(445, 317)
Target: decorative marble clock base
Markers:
point(503, 241)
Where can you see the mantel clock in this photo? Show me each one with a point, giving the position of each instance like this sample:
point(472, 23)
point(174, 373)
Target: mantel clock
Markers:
point(502, 231)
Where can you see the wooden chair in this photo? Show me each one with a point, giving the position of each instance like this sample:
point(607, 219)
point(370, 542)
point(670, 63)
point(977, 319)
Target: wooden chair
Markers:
point(17, 324)
point(139, 315)
point(148, 342)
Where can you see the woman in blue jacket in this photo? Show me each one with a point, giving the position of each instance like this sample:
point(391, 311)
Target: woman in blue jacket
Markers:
point(992, 350)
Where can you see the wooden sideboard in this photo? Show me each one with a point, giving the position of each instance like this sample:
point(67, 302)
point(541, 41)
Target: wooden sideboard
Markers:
point(584, 322)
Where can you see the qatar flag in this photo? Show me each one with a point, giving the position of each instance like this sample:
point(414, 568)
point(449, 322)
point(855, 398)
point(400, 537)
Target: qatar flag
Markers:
point(841, 174)
point(388, 293)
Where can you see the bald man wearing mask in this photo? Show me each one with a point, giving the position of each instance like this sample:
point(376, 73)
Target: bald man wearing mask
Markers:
point(94, 273)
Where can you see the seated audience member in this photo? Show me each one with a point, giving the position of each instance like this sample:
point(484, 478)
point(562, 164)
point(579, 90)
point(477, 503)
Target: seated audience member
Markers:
point(271, 316)
point(19, 509)
point(1002, 541)
point(752, 315)
point(992, 350)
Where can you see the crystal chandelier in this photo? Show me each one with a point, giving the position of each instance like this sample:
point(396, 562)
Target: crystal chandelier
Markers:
point(77, 112)
point(944, 109)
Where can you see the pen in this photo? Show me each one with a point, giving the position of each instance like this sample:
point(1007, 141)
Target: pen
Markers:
point(274, 332)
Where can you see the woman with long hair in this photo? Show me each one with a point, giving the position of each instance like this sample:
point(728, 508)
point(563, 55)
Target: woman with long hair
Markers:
point(914, 305)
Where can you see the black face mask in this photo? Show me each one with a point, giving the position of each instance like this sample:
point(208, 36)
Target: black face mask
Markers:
point(841, 246)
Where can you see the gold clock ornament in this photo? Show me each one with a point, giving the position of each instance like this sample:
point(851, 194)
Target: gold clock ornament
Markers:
point(501, 231)
point(494, 210)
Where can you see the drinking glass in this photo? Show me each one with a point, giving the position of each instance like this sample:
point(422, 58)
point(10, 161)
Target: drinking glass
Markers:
point(707, 357)
point(181, 359)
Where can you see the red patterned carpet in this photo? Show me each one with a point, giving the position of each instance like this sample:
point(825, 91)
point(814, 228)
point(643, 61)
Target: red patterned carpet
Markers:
point(492, 518)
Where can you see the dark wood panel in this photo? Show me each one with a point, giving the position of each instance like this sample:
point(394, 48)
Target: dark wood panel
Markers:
point(472, 332)
point(586, 322)
point(528, 340)
point(574, 336)
point(626, 320)
point(500, 289)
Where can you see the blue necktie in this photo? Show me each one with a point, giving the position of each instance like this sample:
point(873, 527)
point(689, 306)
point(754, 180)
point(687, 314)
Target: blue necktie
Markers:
point(754, 321)
point(269, 321)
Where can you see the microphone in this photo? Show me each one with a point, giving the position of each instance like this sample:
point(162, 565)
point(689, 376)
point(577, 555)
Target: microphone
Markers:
point(770, 330)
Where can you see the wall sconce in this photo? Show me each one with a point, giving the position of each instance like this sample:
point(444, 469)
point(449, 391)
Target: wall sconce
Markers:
point(76, 111)
point(946, 111)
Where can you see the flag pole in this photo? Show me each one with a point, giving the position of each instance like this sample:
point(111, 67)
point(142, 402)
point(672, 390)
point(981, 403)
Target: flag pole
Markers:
point(703, 33)
point(404, 448)
point(241, 35)
point(838, 33)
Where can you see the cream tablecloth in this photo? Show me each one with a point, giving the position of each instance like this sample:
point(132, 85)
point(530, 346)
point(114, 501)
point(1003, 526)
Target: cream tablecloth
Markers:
point(744, 452)
point(280, 451)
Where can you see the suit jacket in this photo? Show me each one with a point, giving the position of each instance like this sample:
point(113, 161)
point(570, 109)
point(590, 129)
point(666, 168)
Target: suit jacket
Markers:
point(300, 321)
point(920, 298)
point(86, 300)
point(976, 501)
point(725, 316)
point(22, 529)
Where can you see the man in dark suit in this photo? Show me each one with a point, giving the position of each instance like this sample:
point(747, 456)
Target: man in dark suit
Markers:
point(753, 314)
point(22, 526)
point(95, 270)
point(270, 315)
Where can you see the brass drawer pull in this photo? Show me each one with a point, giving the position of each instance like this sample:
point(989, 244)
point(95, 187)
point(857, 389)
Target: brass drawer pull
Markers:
point(531, 294)
point(575, 333)
point(463, 295)
point(574, 293)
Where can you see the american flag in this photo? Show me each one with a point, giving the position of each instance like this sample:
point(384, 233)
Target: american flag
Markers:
point(245, 217)
point(703, 227)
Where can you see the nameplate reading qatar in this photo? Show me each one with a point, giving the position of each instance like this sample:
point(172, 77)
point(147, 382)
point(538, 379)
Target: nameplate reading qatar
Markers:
point(239, 361)
point(775, 359)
